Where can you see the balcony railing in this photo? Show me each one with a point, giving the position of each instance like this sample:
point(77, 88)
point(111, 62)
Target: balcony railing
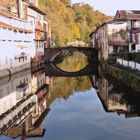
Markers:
point(118, 39)
point(118, 43)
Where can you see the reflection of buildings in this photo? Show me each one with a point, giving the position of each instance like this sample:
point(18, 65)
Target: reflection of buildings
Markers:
point(114, 98)
point(13, 90)
point(24, 104)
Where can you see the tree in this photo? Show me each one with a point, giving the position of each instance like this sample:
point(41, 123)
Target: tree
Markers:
point(66, 2)
point(71, 22)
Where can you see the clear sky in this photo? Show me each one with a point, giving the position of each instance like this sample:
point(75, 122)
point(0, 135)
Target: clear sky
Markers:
point(109, 7)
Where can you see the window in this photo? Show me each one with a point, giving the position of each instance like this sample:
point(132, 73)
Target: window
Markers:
point(15, 31)
point(138, 22)
point(133, 47)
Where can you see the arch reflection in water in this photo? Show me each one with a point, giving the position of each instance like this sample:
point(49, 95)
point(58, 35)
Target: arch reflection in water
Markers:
point(24, 104)
point(71, 61)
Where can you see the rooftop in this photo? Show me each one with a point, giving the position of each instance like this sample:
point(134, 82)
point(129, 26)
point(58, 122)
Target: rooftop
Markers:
point(127, 14)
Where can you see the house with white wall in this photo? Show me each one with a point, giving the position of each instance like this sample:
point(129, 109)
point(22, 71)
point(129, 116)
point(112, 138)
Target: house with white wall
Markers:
point(110, 38)
point(23, 34)
point(132, 17)
point(40, 27)
point(122, 35)
point(16, 41)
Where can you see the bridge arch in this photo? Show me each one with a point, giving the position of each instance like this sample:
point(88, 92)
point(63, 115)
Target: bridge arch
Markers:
point(51, 53)
point(52, 70)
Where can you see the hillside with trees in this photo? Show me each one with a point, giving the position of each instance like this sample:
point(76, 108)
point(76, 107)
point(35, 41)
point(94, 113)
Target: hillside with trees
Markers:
point(70, 22)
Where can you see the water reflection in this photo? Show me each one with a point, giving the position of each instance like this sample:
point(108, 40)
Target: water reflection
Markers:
point(67, 107)
point(72, 61)
point(76, 114)
point(24, 103)
point(65, 87)
point(115, 97)
point(71, 64)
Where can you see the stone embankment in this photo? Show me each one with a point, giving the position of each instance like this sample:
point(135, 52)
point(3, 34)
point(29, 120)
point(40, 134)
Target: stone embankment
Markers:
point(129, 77)
point(7, 72)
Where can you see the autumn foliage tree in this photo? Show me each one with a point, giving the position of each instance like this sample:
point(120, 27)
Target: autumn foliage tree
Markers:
point(71, 22)
point(66, 2)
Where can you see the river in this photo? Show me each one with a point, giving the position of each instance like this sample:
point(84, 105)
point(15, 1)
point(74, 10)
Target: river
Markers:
point(92, 107)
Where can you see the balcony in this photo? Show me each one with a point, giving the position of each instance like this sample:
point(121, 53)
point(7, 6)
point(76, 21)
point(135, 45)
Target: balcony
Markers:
point(118, 43)
point(118, 39)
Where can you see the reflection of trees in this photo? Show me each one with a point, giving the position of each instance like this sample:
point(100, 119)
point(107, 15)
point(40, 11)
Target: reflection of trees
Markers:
point(74, 62)
point(65, 86)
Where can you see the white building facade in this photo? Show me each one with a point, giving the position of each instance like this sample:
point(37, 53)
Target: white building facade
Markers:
point(23, 34)
point(132, 17)
point(110, 38)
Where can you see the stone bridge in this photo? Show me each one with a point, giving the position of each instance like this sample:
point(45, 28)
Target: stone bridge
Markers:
point(52, 70)
point(52, 53)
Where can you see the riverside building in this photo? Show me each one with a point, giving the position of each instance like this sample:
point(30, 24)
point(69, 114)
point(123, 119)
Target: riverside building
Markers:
point(23, 34)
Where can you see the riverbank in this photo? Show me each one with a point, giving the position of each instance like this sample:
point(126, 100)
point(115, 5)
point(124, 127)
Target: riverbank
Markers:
point(129, 77)
point(7, 72)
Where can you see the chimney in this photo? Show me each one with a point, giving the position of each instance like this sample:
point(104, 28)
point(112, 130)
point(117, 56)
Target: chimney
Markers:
point(20, 8)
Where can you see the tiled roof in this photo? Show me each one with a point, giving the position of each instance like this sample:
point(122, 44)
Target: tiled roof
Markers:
point(127, 14)
point(135, 11)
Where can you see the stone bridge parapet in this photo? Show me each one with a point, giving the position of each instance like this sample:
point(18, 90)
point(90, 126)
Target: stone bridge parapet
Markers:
point(51, 53)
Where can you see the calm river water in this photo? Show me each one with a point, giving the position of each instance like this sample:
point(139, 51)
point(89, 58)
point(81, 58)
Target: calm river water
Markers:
point(34, 106)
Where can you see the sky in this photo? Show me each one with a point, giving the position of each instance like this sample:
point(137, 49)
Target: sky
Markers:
point(109, 7)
